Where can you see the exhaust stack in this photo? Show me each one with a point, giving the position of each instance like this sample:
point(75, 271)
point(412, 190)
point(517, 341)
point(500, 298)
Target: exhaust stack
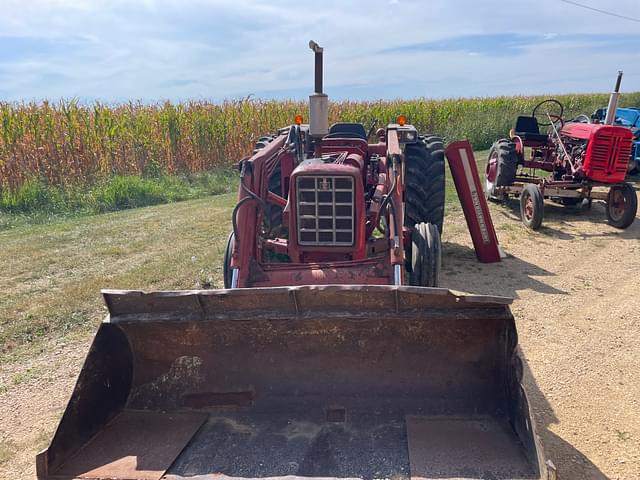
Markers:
point(319, 101)
point(613, 101)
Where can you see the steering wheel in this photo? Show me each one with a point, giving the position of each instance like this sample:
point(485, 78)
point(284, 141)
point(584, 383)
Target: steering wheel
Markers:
point(551, 107)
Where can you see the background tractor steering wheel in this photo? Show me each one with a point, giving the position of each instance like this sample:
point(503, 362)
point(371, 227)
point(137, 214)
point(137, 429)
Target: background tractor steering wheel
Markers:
point(551, 107)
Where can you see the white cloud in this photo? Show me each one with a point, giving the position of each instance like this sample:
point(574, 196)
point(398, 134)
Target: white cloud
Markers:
point(157, 49)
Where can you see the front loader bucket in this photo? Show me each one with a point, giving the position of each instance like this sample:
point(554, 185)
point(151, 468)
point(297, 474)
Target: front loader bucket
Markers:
point(328, 381)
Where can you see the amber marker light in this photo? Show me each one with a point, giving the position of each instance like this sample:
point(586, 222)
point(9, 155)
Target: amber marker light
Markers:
point(401, 120)
point(298, 119)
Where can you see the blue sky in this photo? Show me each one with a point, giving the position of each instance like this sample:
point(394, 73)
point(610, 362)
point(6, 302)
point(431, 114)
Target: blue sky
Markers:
point(153, 50)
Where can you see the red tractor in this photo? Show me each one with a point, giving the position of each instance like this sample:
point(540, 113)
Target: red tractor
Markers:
point(333, 368)
point(320, 204)
point(580, 161)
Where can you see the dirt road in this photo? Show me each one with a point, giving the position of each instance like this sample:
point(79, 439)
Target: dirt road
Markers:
point(576, 285)
point(578, 310)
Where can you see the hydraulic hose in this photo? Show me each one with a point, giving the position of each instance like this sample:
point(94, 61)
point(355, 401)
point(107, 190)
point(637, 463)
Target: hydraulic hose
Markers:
point(251, 196)
point(392, 207)
point(387, 198)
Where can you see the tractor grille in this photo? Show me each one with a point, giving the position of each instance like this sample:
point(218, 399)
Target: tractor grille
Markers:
point(325, 210)
point(610, 155)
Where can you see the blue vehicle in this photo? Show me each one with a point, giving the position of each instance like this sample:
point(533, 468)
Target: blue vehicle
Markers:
point(627, 117)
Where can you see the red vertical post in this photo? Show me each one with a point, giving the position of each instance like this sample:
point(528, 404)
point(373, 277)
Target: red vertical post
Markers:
point(474, 204)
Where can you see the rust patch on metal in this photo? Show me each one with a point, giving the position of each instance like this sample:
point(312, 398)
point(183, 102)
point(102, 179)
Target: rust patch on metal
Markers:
point(140, 445)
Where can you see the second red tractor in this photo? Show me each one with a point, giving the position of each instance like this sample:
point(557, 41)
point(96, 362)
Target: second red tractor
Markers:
point(575, 161)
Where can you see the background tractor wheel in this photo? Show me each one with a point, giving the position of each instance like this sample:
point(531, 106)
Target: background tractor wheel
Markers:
point(501, 167)
point(622, 205)
point(425, 255)
point(424, 182)
point(531, 206)
point(226, 262)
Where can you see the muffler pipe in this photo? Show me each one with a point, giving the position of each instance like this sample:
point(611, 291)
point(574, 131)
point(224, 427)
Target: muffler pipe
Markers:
point(318, 102)
point(613, 102)
point(317, 49)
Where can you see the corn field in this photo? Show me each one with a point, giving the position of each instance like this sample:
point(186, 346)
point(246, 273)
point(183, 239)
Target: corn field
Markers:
point(68, 143)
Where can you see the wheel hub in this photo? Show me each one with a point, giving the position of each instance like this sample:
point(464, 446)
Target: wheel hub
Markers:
point(528, 208)
point(617, 206)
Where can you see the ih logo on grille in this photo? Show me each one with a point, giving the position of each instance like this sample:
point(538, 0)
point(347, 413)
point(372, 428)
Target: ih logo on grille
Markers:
point(324, 184)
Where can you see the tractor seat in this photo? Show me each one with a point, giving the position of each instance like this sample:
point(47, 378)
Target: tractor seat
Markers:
point(527, 128)
point(347, 130)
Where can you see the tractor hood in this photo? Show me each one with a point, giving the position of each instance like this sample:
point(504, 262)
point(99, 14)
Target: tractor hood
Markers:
point(585, 131)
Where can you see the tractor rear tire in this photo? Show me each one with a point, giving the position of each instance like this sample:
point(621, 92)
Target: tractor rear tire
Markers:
point(531, 206)
point(424, 182)
point(622, 205)
point(226, 263)
point(426, 255)
point(263, 142)
point(502, 165)
point(273, 213)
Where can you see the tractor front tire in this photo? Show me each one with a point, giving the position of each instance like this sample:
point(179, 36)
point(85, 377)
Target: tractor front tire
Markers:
point(531, 206)
point(622, 205)
point(425, 255)
point(424, 182)
point(226, 262)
